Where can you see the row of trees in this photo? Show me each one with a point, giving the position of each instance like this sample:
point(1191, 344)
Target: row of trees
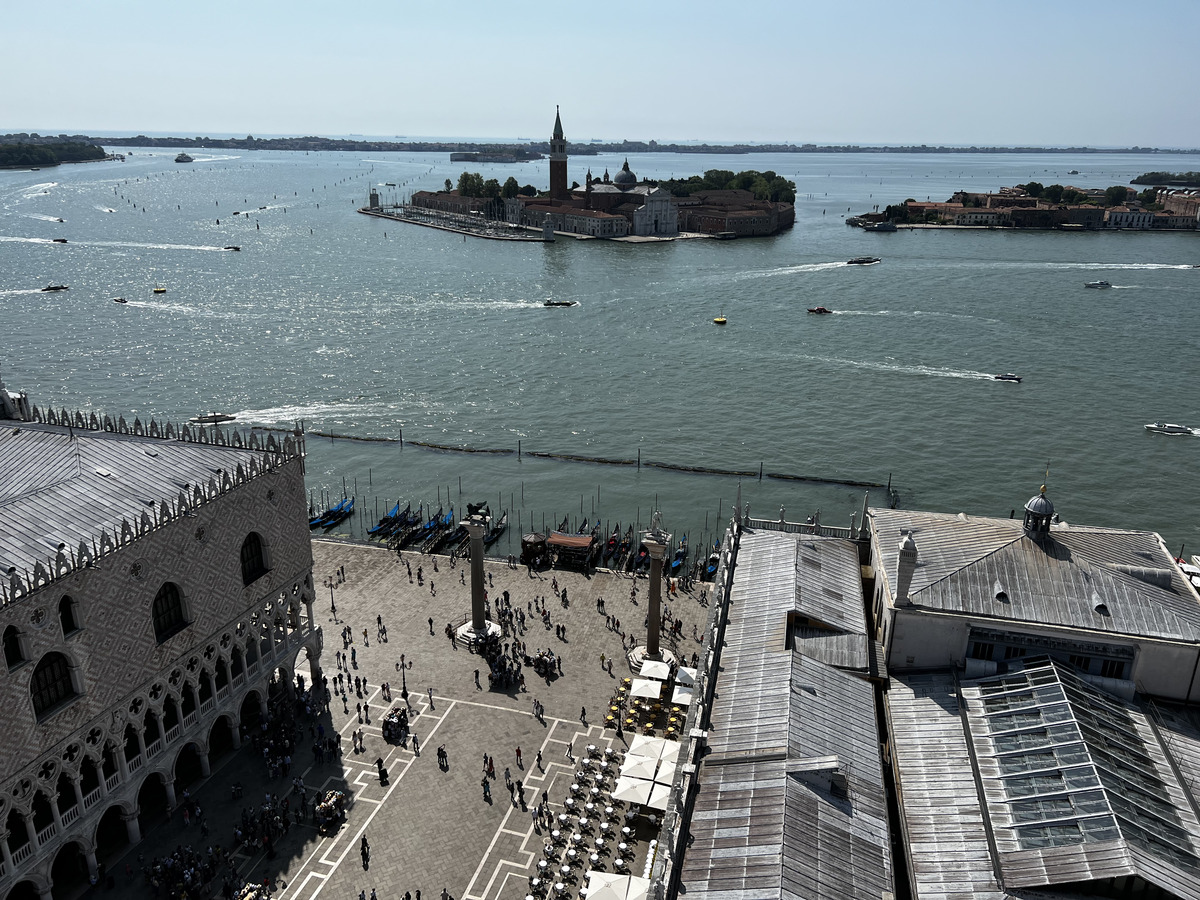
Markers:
point(1056, 193)
point(764, 185)
point(22, 155)
point(471, 184)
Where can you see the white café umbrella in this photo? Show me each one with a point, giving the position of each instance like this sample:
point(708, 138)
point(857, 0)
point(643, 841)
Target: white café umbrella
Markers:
point(658, 796)
point(681, 697)
point(607, 885)
point(644, 687)
point(632, 790)
point(639, 767)
point(686, 676)
point(666, 772)
point(653, 668)
point(639, 888)
point(654, 748)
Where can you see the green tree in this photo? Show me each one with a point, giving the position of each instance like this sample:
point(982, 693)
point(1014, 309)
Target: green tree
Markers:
point(1034, 189)
point(510, 188)
point(449, 185)
point(490, 189)
point(1053, 193)
point(1116, 195)
point(528, 190)
point(1070, 195)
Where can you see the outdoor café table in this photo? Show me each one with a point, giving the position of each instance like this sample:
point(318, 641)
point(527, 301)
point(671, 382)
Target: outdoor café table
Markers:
point(564, 818)
point(626, 831)
point(542, 866)
point(537, 885)
point(590, 807)
point(581, 776)
point(609, 752)
point(599, 843)
point(608, 810)
point(622, 848)
point(571, 854)
point(619, 863)
point(577, 838)
point(556, 835)
point(565, 872)
point(595, 792)
point(594, 859)
point(560, 888)
point(606, 827)
point(593, 749)
point(584, 824)
point(569, 803)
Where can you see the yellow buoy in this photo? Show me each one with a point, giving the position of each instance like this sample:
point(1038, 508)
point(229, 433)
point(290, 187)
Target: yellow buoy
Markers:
point(719, 320)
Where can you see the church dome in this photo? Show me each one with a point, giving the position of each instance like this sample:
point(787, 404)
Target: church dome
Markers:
point(1039, 504)
point(625, 177)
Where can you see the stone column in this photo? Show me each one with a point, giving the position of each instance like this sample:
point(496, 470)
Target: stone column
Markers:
point(77, 784)
point(30, 830)
point(314, 669)
point(141, 739)
point(169, 787)
point(45, 893)
point(90, 856)
point(308, 606)
point(205, 766)
point(657, 549)
point(235, 733)
point(5, 852)
point(476, 528)
point(132, 828)
point(262, 703)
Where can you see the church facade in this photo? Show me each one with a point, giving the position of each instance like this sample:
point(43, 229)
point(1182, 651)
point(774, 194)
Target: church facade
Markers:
point(155, 590)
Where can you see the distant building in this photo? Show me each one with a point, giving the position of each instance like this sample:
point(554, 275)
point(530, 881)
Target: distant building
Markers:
point(733, 212)
point(1124, 217)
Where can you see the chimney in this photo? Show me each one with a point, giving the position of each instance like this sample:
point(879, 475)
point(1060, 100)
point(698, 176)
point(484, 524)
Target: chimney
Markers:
point(905, 568)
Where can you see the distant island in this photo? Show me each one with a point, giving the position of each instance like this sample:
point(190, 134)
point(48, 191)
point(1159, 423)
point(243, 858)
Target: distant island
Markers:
point(1055, 206)
point(20, 155)
point(1183, 179)
point(520, 150)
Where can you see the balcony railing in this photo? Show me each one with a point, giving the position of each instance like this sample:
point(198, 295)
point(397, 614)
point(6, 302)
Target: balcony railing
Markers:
point(112, 781)
point(154, 748)
point(22, 853)
point(207, 706)
point(239, 679)
point(92, 799)
point(47, 833)
point(69, 817)
point(136, 763)
point(223, 693)
point(172, 733)
point(190, 719)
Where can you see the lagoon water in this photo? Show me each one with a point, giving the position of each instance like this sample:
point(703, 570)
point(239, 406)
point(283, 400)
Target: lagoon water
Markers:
point(368, 328)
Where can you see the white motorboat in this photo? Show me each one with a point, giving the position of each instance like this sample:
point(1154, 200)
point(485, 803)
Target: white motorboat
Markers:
point(1168, 428)
point(1098, 284)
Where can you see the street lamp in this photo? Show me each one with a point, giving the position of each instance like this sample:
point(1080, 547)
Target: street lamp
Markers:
point(331, 583)
point(403, 686)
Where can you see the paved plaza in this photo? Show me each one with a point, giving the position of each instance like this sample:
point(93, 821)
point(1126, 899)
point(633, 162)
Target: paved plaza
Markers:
point(430, 828)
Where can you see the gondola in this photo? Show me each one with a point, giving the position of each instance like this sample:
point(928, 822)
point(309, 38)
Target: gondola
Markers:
point(386, 522)
point(439, 534)
point(331, 515)
point(623, 549)
point(420, 532)
point(714, 560)
point(614, 542)
point(583, 527)
point(339, 516)
point(497, 529)
point(680, 557)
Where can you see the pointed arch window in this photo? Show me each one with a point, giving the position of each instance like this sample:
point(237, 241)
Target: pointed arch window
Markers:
point(170, 617)
point(52, 685)
point(254, 558)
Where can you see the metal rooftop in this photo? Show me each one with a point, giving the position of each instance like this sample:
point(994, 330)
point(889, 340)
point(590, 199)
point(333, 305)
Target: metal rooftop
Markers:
point(1106, 580)
point(71, 493)
point(791, 801)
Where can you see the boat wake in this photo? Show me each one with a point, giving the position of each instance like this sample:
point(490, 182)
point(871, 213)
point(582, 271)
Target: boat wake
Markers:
point(286, 415)
point(24, 240)
point(42, 217)
point(199, 247)
point(788, 270)
point(108, 209)
point(21, 291)
point(36, 190)
point(931, 371)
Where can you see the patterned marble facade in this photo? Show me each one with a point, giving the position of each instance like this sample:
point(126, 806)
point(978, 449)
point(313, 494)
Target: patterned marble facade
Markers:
point(147, 638)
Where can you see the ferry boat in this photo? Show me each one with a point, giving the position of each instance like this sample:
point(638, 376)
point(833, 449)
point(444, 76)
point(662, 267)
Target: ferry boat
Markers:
point(880, 226)
point(863, 261)
point(183, 157)
point(55, 287)
point(1008, 376)
point(1169, 428)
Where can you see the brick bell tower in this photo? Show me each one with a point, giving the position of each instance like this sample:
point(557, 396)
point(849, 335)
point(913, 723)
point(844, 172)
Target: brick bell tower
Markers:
point(558, 162)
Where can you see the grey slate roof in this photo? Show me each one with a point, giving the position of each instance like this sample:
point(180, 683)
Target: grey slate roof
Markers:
point(1058, 579)
point(768, 820)
point(61, 485)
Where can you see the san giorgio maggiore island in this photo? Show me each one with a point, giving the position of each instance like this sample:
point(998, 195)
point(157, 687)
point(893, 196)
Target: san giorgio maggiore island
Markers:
point(617, 207)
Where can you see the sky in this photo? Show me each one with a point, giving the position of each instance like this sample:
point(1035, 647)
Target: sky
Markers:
point(1101, 73)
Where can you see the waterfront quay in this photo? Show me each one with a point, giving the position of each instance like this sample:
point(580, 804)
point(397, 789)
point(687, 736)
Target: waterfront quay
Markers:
point(430, 828)
point(475, 226)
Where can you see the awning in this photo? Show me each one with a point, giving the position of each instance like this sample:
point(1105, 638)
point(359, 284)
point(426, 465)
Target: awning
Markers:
point(686, 676)
point(570, 541)
point(653, 668)
point(682, 696)
point(658, 796)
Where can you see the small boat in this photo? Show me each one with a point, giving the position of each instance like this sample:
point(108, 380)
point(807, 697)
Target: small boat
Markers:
point(623, 549)
point(233, 247)
point(549, 303)
point(1098, 284)
point(1008, 376)
point(183, 158)
point(719, 320)
point(880, 226)
point(59, 240)
point(119, 300)
point(388, 519)
point(1169, 428)
point(50, 288)
point(159, 289)
point(211, 418)
point(714, 560)
point(863, 261)
point(583, 527)
point(821, 311)
point(614, 541)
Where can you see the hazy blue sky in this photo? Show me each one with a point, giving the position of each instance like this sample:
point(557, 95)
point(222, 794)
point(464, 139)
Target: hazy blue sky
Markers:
point(1052, 72)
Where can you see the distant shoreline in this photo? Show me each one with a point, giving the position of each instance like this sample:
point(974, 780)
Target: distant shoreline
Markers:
point(317, 144)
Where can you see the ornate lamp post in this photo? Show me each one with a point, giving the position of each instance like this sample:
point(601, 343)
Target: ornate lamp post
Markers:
point(331, 583)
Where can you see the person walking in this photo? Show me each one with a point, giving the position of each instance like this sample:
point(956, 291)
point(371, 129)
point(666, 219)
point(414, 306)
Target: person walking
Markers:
point(520, 765)
point(583, 714)
point(430, 691)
